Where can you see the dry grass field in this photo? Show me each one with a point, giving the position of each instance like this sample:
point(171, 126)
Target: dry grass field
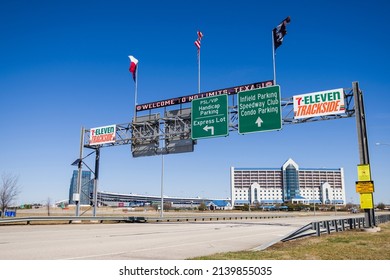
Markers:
point(347, 245)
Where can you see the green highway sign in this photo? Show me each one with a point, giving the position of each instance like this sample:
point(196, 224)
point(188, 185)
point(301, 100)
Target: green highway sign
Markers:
point(209, 117)
point(259, 110)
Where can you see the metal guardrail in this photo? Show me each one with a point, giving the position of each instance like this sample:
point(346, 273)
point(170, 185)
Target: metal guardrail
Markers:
point(336, 225)
point(130, 219)
point(70, 219)
point(214, 218)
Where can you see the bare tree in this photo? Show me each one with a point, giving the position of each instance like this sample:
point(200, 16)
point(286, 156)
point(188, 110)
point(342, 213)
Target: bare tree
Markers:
point(9, 190)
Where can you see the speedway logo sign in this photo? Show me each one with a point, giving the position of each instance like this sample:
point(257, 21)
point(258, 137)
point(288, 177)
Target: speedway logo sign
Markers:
point(322, 103)
point(102, 135)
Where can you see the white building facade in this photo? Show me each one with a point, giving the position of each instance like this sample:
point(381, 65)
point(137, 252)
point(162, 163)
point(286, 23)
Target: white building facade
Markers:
point(269, 186)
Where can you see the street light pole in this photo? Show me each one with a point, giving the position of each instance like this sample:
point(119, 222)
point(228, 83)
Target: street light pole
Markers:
point(95, 185)
point(334, 200)
point(314, 201)
point(78, 195)
point(162, 186)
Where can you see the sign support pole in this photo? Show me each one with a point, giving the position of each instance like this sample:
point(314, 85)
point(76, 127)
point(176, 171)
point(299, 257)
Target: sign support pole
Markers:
point(369, 214)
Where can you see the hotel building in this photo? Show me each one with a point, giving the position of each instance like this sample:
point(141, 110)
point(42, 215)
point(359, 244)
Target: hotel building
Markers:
point(269, 186)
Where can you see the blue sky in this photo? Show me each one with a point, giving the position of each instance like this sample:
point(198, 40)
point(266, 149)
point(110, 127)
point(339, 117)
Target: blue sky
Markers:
point(64, 64)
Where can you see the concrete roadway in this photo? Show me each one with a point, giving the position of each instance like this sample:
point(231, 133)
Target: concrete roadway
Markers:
point(145, 241)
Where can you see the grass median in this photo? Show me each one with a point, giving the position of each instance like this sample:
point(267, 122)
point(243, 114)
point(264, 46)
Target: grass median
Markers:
point(347, 245)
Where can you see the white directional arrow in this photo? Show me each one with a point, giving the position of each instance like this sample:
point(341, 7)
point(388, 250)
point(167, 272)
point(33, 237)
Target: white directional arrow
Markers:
point(207, 128)
point(259, 121)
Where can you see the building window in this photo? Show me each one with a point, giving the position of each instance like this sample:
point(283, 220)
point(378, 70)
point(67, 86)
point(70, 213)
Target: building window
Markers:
point(291, 182)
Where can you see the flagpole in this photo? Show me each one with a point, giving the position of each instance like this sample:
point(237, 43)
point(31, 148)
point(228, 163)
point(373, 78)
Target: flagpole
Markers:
point(199, 71)
point(197, 44)
point(136, 93)
point(273, 57)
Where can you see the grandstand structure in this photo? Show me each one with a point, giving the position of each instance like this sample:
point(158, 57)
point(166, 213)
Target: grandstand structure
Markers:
point(136, 200)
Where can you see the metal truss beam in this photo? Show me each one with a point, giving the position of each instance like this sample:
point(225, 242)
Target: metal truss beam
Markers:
point(176, 125)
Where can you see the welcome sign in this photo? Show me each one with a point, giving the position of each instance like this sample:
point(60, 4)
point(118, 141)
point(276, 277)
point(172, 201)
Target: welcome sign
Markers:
point(102, 135)
point(322, 103)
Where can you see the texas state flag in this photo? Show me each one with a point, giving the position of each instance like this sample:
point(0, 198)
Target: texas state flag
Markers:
point(133, 66)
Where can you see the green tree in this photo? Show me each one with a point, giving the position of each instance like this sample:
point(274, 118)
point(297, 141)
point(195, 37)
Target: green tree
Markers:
point(246, 207)
point(202, 207)
point(381, 206)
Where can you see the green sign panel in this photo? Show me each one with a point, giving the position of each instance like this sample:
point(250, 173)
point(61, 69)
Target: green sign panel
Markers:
point(259, 110)
point(209, 117)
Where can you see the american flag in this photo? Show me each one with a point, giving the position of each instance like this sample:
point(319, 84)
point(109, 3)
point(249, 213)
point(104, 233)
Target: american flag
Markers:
point(197, 41)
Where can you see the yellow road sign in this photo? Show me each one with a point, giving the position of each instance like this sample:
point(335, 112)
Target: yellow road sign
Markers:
point(366, 201)
point(364, 172)
point(365, 186)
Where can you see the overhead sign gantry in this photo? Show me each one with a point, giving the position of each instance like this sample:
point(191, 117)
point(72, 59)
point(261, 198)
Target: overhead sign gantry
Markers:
point(260, 108)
